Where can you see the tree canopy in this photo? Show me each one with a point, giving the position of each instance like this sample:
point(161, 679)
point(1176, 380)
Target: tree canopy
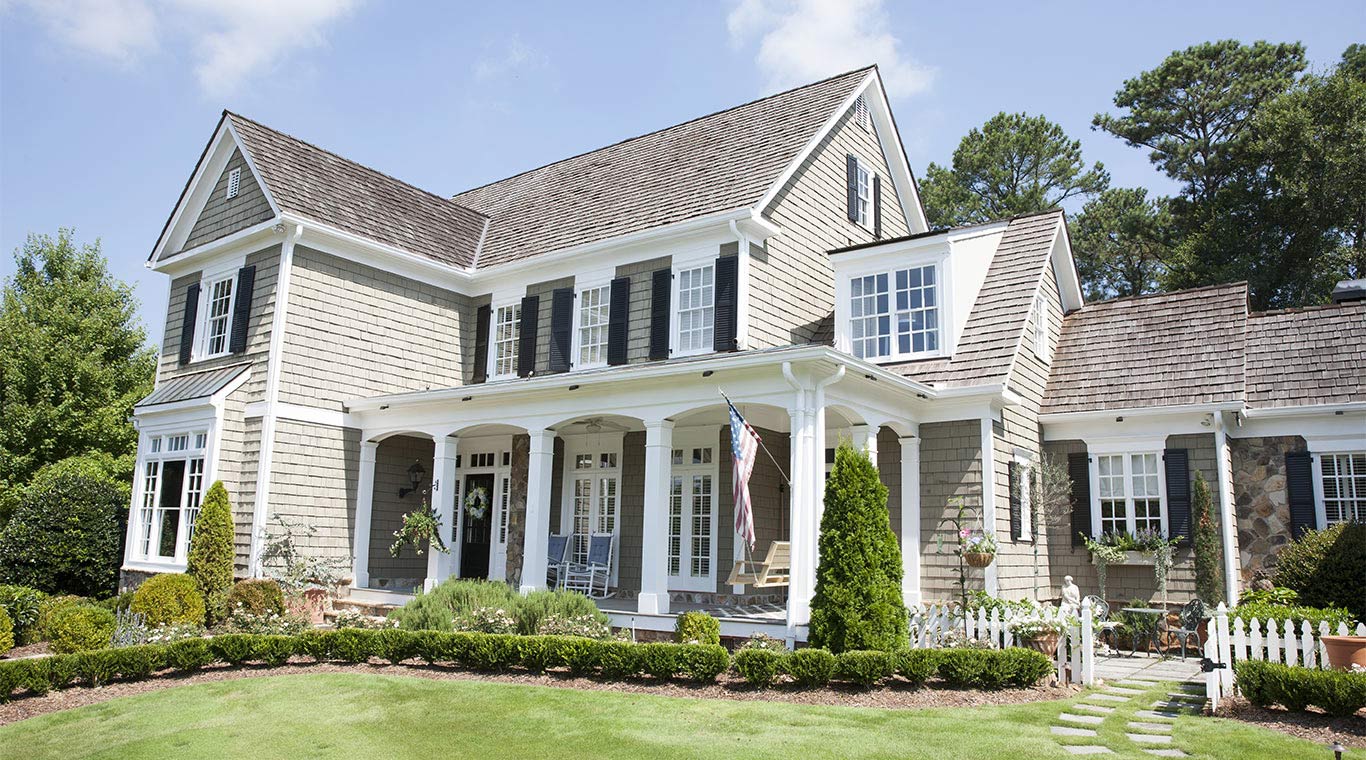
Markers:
point(1121, 240)
point(73, 359)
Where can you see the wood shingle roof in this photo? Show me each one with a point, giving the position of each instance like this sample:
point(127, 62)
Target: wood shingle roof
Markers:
point(1306, 356)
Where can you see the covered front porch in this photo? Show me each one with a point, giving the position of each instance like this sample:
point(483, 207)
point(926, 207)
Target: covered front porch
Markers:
point(509, 464)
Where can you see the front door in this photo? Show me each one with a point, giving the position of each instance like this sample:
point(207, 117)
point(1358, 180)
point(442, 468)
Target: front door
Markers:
point(477, 503)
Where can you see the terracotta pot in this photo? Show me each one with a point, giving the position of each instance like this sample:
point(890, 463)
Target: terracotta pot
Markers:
point(1047, 643)
point(1345, 651)
point(978, 559)
point(312, 603)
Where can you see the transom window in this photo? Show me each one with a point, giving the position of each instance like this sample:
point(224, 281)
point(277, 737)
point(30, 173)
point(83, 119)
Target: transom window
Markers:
point(507, 328)
point(696, 318)
point(1129, 493)
point(901, 323)
point(218, 316)
point(594, 306)
point(1344, 487)
point(864, 202)
point(172, 490)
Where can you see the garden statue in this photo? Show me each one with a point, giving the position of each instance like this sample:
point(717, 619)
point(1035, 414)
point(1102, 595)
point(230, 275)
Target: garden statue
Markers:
point(1071, 596)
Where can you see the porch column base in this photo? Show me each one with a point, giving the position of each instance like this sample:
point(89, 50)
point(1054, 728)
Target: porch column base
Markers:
point(365, 499)
point(652, 604)
point(540, 460)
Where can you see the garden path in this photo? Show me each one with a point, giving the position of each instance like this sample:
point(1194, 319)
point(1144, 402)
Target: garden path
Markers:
point(1109, 720)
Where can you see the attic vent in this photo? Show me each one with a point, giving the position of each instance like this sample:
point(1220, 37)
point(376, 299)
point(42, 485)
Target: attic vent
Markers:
point(861, 112)
point(234, 182)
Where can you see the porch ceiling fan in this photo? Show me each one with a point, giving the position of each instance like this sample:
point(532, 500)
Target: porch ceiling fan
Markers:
point(598, 424)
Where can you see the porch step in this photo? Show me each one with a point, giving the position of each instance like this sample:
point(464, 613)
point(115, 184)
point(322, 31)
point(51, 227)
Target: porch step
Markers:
point(367, 608)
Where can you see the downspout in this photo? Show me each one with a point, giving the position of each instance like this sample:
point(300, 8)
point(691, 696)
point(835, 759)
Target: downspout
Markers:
point(743, 291)
point(1228, 516)
point(261, 506)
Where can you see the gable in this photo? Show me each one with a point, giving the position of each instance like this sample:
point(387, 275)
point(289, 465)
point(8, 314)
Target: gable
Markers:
point(221, 215)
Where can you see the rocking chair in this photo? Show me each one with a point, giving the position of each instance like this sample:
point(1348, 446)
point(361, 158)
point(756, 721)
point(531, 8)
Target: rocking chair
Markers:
point(775, 570)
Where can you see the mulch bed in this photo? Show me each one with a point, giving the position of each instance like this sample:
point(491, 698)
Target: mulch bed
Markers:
point(1313, 725)
point(728, 686)
point(31, 650)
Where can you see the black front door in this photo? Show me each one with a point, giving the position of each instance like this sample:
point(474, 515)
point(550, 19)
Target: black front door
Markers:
point(474, 549)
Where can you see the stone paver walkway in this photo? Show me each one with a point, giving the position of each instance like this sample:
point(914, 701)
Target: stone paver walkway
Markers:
point(1117, 726)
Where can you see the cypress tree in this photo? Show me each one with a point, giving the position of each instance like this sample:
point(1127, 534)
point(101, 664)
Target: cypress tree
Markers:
point(857, 604)
point(1207, 551)
point(211, 552)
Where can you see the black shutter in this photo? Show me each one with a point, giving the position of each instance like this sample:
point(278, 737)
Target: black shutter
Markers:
point(1079, 470)
point(526, 336)
point(187, 323)
point(619, 321)
point(725, 300)
point(241, 309)
point(1177, 463)
point(851, 186)
point(481, 343)
point(561, 328)
point(661, 292)
point(1299, 486)
point(877, 207)
point(1016, 519)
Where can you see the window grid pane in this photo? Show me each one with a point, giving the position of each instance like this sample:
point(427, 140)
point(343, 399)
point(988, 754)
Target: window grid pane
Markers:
point(675, 524)
point(701, 526)
point(1344, 487)
point(506, 333)
point(870, 316)
point(696, 318)
point(593, 314)
point(149, 500)
point(583, 514)
point(503, 495)
point(219, 317)
point(917, 310)
point(865, 195)
point(194, 495)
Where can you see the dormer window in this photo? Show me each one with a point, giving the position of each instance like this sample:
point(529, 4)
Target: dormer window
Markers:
point(895, 315)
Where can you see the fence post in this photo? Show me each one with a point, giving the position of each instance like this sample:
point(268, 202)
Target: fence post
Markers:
point(1088, 645)
point(1225, 652)
point(1307, 645)
point(1273, 641)
point(1212, 677)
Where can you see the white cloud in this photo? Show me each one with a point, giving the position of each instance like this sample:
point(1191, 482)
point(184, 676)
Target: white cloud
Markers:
point(511, 59)
point(229, 41)
point(803, 41)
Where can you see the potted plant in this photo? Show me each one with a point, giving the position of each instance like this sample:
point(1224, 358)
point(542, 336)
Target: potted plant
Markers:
point(977, 546)
point(1345, 652)
point(1040, 633)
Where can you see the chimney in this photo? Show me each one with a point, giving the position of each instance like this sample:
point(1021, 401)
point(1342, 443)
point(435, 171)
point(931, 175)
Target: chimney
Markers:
point(1350, 290)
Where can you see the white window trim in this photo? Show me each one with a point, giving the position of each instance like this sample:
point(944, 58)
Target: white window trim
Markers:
point(609, 442)
point(1320, 493)
point(221, 271)
point(865, 212)
point(675, 301)
point(943, 298)
point(688, 439)
point(577, 341)
point(1039, 318)
point(1129, 519)
point(208, 427)
point(1024, 466)
point(511, 303)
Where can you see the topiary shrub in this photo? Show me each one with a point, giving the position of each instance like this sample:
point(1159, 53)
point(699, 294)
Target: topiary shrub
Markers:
point(697, 628)
point(962, 668)
point(188, 654)
point(170, 598)
point(702, 662)
point(22, 604)
point(6, 632)
point(620, 659)
point(491, 651)
point(353, 645)
point(66, 535)
point(211, 554)
point(857, 604)
point(863, 667)
point(534, 609)
point(580, 655)
point(96, 668)
point(1209, 587)
point(454, 597)
point(258, 596)
point(810, 668)
point(758, 666)
point(395, 645)
point(539, 653)
point(274, 650)
point(1024, 667)
point(138, 662)
point(658, 659)
point(916, 665)
point(1326, 567)
point(317, 645)
point(47, 612)
point(80, 628)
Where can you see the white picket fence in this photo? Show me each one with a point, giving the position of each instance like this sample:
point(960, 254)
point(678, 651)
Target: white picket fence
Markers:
point(1234, 640)
point(1075, 658)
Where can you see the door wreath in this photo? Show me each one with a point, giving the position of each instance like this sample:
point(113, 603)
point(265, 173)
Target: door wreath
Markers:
point(477, 503)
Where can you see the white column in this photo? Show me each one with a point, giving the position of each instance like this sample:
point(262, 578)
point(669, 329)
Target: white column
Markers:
point(654, 570)
point(540, 462)
point(989, 496)
point(365, 499)
point(910, 519)
point(444, 498)
point(798, 599)
point(870, 443)
point(1228, 512)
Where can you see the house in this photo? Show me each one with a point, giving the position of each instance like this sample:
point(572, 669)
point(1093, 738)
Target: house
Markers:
point(546, 354)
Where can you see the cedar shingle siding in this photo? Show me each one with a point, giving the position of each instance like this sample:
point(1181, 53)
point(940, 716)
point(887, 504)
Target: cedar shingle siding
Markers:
point(222, 215)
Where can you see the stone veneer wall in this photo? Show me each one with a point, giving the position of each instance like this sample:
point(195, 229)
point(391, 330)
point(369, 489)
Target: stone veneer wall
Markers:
point(1260, 498)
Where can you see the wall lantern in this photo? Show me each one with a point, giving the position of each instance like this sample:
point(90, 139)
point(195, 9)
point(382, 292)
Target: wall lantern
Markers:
point(415, 474)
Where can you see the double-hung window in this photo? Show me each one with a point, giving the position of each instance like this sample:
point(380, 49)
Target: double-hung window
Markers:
point(171, 491)
point(895, 315)
point(218, 315)
point(696, 309)
point(870, 321)
point(507, 328)
point(1129, 493)
point(1344, 486)
point(594, 307)
point(864, 195)
point(917, 311)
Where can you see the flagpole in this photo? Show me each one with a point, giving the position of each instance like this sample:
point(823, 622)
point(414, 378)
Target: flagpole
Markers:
point(762, 445)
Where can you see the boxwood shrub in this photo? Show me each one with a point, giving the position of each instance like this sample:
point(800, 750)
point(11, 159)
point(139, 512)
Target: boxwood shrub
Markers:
point(188, 654)
point(353, 645)
point(864, 667)
point(233, 648)
point(697, 628)
point(916, 665)
point(170, 598)
point(702, 662)
point(810, 667)
point(659, 660)
point(79, 628)
point(1267, 683)
point(758, 666)
point(397, 645)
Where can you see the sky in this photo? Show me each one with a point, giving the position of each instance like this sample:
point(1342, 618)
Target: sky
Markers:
point(105, 105)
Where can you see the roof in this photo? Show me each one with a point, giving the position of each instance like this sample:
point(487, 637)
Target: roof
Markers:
point(320, 185)
point(1169, 349)
point(720, 162)
point(1307, 356)
point(192, 386)
point(997, 321)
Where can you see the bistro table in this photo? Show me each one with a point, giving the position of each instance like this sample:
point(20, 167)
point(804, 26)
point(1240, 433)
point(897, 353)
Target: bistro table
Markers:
point(1153, 634)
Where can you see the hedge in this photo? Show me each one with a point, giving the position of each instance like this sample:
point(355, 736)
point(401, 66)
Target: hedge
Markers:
point(1266, 683)
point(978, 668)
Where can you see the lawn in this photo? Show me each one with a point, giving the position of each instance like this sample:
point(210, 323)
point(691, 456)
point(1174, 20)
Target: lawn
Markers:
point(359, 716)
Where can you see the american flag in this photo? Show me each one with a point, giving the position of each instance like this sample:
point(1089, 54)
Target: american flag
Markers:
point(744, 444)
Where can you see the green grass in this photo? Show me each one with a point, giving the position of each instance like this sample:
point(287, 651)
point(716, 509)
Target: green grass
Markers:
point(354, 716)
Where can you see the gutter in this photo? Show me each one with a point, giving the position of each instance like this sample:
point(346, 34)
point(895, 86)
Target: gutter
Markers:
point(1143, 411)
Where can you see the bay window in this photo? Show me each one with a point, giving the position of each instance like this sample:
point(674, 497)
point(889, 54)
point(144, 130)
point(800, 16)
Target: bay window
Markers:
point(1344, 486)
point(1129, 493)
point(171, 492)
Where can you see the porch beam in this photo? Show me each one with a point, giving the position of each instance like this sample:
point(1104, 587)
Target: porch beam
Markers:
point(365, 500)
point(654, 570)
point(444, 496)
point(540, 462)
point(910, 519)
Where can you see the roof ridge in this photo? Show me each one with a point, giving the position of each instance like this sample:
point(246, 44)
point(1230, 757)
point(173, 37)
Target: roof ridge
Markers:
point(443, 199)
point(1163, 294)
point(872, 67)
point(947, 230)
point(1305, 309)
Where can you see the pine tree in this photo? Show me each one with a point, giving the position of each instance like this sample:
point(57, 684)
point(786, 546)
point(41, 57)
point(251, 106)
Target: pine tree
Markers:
point(1207, 586)
point(857, 604)
point(211, 551)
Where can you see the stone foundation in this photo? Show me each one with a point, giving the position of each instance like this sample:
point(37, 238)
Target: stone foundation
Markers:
point(129, 580)
point(1260, 499)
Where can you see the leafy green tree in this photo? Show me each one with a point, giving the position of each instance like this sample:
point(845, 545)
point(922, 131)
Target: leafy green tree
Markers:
point(96, 464)
point(857, 604)
point(1207, 549)
point(1121, 240)
point(1015, 164)
point(73, 359)
point(210, 560)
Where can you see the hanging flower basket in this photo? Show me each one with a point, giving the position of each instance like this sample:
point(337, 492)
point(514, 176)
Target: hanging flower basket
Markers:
point(979, 559)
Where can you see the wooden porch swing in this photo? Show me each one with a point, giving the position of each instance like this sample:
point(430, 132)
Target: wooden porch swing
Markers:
point(774, 570)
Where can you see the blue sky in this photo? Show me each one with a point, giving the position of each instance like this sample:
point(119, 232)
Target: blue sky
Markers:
point(106, 104)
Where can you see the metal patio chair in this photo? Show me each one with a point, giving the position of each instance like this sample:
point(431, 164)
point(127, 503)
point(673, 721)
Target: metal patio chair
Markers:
point(1188, 624)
